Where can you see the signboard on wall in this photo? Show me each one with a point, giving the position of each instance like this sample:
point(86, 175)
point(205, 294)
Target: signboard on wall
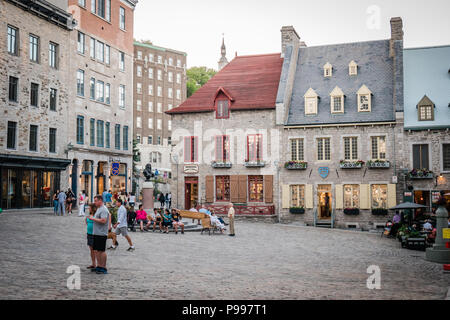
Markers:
point(190, 168)
point(115, 168)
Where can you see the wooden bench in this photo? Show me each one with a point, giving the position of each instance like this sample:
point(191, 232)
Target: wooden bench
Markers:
point(203, 217)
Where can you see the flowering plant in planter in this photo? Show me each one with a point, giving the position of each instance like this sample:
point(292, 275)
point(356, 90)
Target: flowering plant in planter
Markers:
point(350, 164)
point(418, 173)
point(378, 163)
point(379, 211)
point(351, 211)
point(295, 164)
point(297, 210)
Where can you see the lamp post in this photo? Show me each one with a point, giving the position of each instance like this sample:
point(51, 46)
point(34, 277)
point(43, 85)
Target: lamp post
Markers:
point(175, 159)
point(277, 166)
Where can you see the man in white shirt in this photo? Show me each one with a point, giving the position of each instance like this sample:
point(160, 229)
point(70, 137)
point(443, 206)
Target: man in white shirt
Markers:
point(231, 218)
point(428, 226)
point(121, 225)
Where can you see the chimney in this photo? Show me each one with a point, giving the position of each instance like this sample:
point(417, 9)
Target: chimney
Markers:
point(288, 36)
point(396, 28)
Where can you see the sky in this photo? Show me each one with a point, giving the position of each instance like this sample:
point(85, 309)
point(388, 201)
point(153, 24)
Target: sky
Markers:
point(253, 26)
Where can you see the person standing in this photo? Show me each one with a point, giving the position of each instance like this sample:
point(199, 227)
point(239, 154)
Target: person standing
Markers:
point(100, 230)
point(55, 202)
point(90, 235)
point(62, 203)
point(169, 198)
point(162, 199)
point(121, 225)
point(132, 200)
point(69, 201)
point(104, 196)
point(83, 201)
point(231, 218)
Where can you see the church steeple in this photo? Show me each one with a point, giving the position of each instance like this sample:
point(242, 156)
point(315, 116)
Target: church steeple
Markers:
point(223, 59)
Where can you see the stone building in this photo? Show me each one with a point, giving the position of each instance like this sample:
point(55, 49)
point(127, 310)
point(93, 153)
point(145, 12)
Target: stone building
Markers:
point(340, 110)
point(101, 96)
point(427, 124)
point(159, 85)
point(34, 100)
point(225, 145)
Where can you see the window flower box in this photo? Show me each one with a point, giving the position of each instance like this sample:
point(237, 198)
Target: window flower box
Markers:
point(221, 164)
point(379, 212)
point(420, 174)
point(297, 210)
point(351, 211)
point(254, 164)
point(378, 164)
point(345, 164)
point(296, 165)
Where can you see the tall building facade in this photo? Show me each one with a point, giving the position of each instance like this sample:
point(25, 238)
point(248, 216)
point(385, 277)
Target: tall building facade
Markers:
point(159, 86)
point(340, 109)
point(101, 96)
point(427, 125)
point(34, 100)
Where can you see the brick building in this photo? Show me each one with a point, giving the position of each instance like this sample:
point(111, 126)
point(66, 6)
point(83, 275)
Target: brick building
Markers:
point(159, 85)
point(34, 100)
point(101, 96)
point(340, 109)
point(427, 124)
point(225, 143)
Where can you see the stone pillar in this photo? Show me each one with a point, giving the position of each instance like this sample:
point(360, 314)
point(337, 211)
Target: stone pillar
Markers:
point(439, 252)
point(147, 195)
point(107, 173)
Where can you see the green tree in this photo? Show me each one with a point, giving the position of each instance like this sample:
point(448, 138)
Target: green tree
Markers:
point(197, 77)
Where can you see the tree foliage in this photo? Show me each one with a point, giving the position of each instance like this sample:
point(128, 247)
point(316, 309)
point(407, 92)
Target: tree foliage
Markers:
point(197, 77)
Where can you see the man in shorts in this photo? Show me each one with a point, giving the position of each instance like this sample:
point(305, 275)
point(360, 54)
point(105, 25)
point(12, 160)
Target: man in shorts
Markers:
point(157, 220)
point(100, 230)
point(176, 218)
point(122, 224)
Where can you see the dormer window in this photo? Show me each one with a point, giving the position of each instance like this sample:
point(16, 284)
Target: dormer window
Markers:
point(364, 99)
point(337, 100)
point(311, 102)
point(353, 68)
point(425, 109)
point(223, 109)
point(223, 101)
point(327, 70)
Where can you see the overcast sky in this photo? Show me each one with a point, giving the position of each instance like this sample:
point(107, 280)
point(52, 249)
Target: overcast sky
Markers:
point(253, 26)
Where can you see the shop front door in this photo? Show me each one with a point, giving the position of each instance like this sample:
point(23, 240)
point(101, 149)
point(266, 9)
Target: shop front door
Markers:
point(191, 192)
point(324, 201)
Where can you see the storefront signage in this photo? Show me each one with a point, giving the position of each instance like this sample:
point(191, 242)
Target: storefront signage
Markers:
point(446, 233)
point(435, 195)
point(324, 171)
point(115, 168)
point(190, 168)
point(408, 194)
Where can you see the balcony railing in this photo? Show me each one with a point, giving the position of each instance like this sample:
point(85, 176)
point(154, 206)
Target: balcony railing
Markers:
point(378, 164)
point(351, 164)
point(254, 164)
point(220, 164)
point(243, 209)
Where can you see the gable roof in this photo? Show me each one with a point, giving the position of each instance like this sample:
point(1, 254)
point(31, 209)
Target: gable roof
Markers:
point(251, 81)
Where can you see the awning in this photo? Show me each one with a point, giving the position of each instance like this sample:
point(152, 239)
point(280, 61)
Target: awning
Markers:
point(19, 161)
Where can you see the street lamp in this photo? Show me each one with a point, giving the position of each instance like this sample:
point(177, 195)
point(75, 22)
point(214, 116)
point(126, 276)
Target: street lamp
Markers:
point(277, 165)
point(175, 159)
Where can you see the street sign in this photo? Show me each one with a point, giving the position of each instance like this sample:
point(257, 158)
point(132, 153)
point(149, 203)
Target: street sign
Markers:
point(446, 233)
point(115, 168)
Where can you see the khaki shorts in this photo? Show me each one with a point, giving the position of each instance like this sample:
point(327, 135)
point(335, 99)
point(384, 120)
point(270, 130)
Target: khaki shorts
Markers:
point(123, 231)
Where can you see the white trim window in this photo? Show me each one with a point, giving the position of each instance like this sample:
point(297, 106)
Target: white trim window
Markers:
point(352, 68)
point(337, 100)
point(122, 18)
point(139, 71)
point(150, 123)
point(150, 73)
point(159, 124)
point(159, 92)
point(139, 87)
point(328, 70)
point(170, 76)
point(150, 106)
point(150, 89)
point(297, 149)
point(169, 125)
point(139, 105)
point(138, 122)
point(178, 94)
point(170, 93)
point(297, 195)
point(378, 148)
point(122, 96)
point(350, 148)
point(323, 149)
point(311, 102)
point(364, 99)
point(159, 74)
point(351, 196)
point(178, 77)
point(159, 107)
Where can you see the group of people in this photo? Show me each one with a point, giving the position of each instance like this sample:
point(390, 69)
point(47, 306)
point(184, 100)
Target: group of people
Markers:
point(158, 217)
point(63, 201)
point(165, 200)
point(218, 221)
point(99, 229)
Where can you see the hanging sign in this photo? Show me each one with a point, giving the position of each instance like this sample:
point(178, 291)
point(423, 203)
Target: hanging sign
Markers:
point(115, 168)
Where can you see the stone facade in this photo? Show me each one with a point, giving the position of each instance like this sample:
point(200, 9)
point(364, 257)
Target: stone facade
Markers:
point(26, 22)
point(93, 152)
point(162, 68)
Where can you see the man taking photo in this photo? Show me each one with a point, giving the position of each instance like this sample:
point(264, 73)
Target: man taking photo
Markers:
point(100, 230)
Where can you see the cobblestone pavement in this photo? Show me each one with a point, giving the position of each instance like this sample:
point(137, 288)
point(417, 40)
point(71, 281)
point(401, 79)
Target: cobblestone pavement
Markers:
point(264, 261)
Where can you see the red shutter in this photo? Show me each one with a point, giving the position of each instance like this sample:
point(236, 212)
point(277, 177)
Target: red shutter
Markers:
point(268, 188)
point(195, 149)
point(209, 181)
point(259, 146)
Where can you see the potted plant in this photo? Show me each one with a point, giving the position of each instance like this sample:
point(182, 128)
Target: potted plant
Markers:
point(296, 165)
point(420, 174)
point(379, 211)
point(351, 211)
point(297, 210)
point(350, 164)
point(378, 163)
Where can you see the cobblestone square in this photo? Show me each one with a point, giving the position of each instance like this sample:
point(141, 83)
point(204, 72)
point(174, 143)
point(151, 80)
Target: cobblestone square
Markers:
point(264, 261)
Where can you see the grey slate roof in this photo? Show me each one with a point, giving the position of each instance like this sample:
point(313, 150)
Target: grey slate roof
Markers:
point(375, 70)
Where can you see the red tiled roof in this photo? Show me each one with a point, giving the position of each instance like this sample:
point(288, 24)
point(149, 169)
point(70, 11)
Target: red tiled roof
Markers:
point(251, 81)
